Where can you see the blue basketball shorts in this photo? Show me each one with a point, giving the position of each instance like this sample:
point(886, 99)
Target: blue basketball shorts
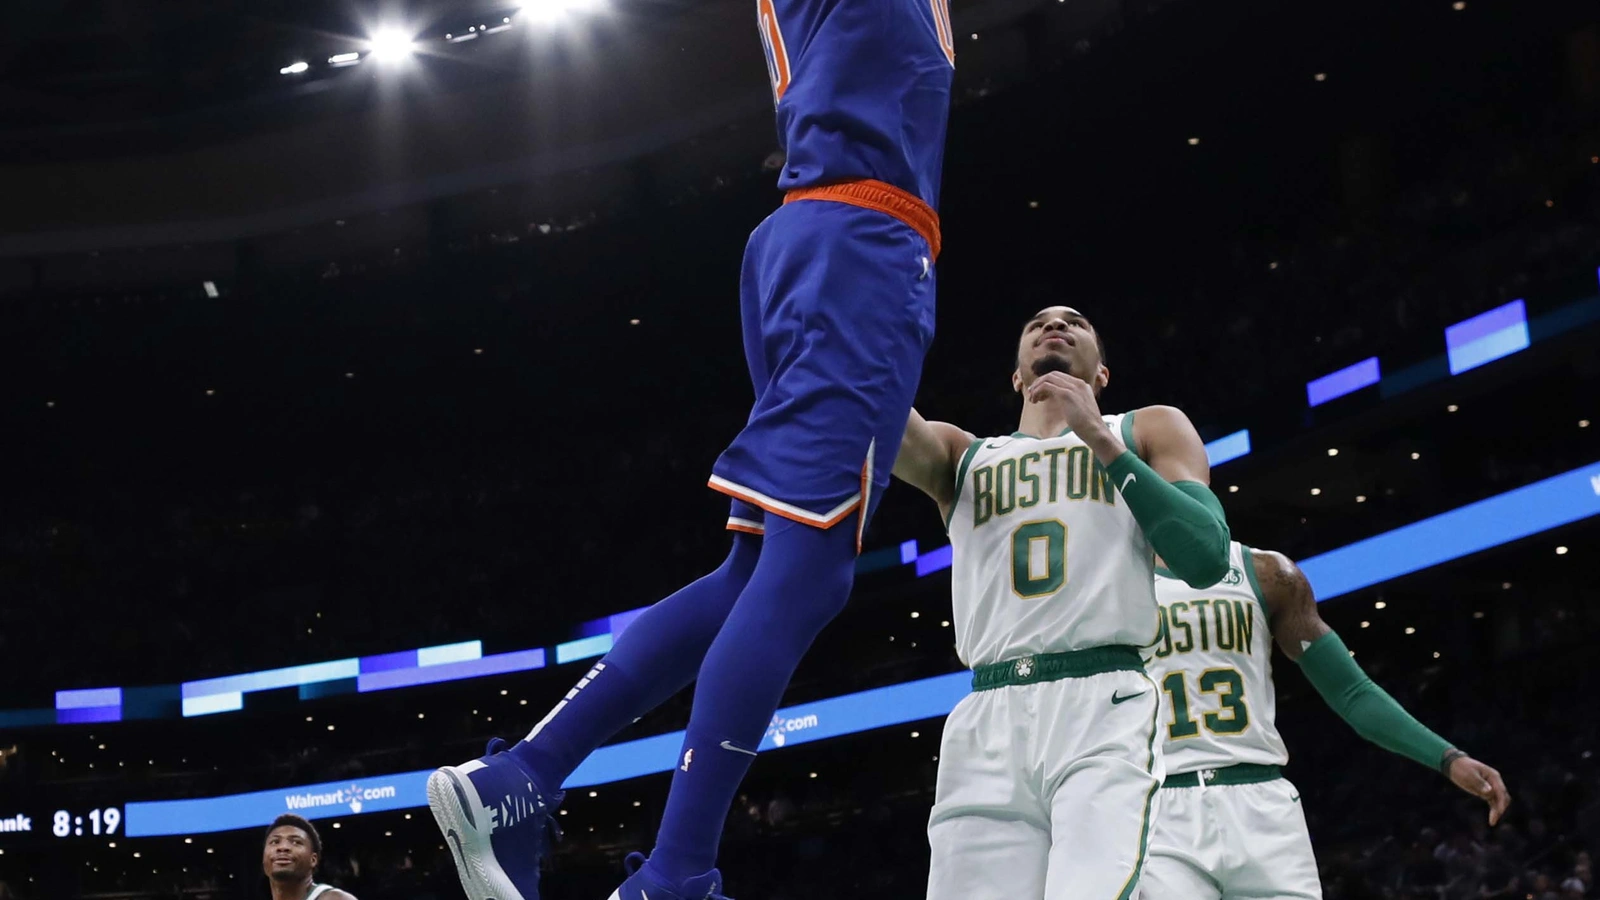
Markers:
point(837, 303)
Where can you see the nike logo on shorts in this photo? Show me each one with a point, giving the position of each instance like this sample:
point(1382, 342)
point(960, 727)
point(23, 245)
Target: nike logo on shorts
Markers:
point(1118, 698)
point(728, 745)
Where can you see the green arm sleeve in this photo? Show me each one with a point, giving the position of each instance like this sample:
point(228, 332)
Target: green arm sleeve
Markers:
point(1368, 708)
point(1183, 521)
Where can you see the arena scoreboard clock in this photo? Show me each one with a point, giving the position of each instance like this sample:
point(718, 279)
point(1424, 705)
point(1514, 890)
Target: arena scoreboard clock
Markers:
point(48, 824)
point(91, 822)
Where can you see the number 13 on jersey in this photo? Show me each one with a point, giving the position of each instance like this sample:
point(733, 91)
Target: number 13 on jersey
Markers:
point(1232, 715)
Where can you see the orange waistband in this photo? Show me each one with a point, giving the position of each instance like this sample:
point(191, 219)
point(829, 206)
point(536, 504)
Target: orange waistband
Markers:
point(885, 198)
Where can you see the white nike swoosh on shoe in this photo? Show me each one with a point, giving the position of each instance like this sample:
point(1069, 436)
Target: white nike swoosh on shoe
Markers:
point(727, 745)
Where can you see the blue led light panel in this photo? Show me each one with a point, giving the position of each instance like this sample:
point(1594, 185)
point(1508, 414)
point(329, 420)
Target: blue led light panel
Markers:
point(1347, 380)
point(1225, 449)
point(1485, 338)
point(1498, 520)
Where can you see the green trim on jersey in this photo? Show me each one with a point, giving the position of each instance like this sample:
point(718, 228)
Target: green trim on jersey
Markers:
point(1132, 883)
point(961, 476)
point(1165, 572)
point(1127, 433)
point(1024, 434)
point(1250, 573)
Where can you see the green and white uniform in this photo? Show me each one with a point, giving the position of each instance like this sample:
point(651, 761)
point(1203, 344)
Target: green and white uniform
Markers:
point(318, 890)
point(1049, 772)
point(1231, 825)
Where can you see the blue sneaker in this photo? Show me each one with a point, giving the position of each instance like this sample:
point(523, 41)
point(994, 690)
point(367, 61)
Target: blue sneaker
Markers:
point(643, 884)
point(498, 822)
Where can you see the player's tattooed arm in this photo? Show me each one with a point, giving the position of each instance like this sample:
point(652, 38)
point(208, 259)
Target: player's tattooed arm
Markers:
point(929, 454)
point(1291, 607)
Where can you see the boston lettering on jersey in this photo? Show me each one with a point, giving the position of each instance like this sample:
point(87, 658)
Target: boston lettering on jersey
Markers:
point(1205, 625)
point(1041, 476)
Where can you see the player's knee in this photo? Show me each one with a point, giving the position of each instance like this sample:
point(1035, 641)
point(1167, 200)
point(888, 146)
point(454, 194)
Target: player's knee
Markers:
point(821, 559)
point(741, 561)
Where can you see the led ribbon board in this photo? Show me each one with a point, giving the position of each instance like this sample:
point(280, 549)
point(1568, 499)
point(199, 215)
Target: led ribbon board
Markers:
point(1516, 514)
point(801, 724)
point(1507, 517)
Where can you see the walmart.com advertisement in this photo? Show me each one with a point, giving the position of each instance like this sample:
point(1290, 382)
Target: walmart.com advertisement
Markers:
point(796, 725)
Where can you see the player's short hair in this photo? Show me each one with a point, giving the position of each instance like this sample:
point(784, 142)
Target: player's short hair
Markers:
point(1099, 343)
point(300, 823)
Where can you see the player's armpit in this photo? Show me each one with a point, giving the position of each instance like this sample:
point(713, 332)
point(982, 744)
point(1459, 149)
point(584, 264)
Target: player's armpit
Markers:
point(929, 453)
point(1291, 606)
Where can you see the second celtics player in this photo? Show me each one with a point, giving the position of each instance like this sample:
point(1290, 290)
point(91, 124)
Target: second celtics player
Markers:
point(1231, 826)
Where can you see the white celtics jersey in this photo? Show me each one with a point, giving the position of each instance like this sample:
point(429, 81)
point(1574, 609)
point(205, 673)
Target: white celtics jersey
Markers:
point(1047, 556)
point(1213, 662)
point(318, 890)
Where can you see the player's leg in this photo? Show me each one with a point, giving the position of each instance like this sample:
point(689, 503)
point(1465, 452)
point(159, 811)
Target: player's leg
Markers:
point(846, 317)
point(1105, 763)
point(655, 657)
point(660, 653)
point(1266, 829)
point(1184, 850)
point(498, 856)
point(802, 580)
point(988, 833)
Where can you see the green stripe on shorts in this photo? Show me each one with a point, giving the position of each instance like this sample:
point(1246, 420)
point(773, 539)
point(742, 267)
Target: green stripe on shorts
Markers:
point(1144, 829)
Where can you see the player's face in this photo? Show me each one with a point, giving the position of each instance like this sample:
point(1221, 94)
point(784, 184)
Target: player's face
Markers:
point(1059, 338)
point(288, 856)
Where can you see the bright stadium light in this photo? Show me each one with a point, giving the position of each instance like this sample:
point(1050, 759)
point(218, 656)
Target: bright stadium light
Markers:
point(344, 59)
point(294, 68)
point(391, 45)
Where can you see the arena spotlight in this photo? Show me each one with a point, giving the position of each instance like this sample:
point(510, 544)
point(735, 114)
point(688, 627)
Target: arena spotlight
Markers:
point(391, 45)
point(294, 68)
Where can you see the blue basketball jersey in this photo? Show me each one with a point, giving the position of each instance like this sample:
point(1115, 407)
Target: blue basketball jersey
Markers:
point(862, 89)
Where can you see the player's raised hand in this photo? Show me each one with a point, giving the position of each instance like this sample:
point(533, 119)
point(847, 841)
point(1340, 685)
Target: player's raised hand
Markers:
point(1483, 782)
point(1076, 397)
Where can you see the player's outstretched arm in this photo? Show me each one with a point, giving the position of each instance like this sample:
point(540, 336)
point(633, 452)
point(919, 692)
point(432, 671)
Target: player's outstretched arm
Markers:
point(929, 455)
point(1305, 638)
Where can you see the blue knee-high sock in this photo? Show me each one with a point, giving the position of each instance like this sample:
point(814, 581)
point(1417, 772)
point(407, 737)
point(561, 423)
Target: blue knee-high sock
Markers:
point(654, 658)
point(800, 584)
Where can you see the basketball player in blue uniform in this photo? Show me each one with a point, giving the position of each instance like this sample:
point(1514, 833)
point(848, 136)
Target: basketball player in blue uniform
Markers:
point(837, 301)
